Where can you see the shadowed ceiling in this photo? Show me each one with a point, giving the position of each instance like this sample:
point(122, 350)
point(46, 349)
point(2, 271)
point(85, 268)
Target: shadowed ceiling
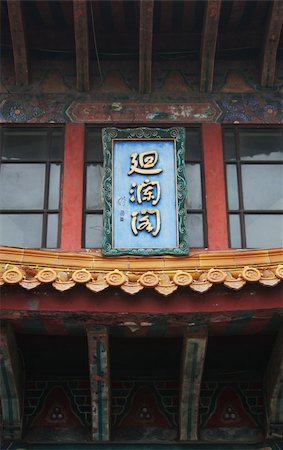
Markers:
point(145, 30)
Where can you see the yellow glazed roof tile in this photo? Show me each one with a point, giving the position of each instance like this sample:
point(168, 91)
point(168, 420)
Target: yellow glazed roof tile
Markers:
point(199, 271)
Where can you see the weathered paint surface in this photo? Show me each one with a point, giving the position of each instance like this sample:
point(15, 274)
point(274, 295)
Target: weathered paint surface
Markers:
point(217, 226)
point(131, 446)
point(10, 385)
point(72, 189)
point(99, 382)
point(274, 387)
point(194, 348)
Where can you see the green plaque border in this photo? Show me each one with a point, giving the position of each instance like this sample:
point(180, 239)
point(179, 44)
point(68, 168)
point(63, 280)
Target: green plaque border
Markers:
point(143, 133)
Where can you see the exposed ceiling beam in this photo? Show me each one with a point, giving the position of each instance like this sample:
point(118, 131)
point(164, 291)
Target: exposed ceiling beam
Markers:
point(270, 43)
point(208, 45)
point(145, 46)
point(82, 44)
point(17, 28)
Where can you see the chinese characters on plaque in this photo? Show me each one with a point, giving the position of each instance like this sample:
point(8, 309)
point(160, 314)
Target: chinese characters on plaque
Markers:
point(144, 198)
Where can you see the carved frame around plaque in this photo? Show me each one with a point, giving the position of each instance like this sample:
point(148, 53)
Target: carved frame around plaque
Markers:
point(144, 191)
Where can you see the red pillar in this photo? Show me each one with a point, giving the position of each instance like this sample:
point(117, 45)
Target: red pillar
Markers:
point(217, 223)
point(72, 188)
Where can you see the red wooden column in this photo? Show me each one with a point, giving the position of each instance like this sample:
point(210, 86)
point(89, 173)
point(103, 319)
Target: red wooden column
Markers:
point(72, 188)
point(217, 223)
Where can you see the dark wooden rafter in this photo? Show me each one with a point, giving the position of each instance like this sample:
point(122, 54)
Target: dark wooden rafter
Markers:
point(208, 45)
point(271, 42)
point(194, 350)
point(274, 387)
point(145, 46)
point(82, 44)
point(19, 42)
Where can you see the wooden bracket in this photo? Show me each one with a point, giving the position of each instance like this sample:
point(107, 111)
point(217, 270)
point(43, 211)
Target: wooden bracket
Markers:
point(194, 349)
point(99, 382)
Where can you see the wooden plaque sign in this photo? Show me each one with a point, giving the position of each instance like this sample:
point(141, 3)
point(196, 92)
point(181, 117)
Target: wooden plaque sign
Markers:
point(144, 190)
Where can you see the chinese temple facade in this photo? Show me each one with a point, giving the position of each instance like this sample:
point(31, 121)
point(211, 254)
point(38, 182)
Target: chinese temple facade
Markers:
point(138, 350)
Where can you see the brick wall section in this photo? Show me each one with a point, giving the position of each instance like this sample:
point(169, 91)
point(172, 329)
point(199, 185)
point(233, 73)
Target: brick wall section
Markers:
point(251, 393)
point(166, 392)
point(37, 390)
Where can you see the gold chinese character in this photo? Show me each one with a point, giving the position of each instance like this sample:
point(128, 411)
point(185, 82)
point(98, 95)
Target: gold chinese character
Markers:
point(148, 191)
point(143, 223)
point(143, 163)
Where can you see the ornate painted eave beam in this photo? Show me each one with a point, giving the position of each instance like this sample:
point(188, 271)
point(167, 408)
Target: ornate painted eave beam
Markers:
point(11, 391)
point(271, 42)
point(145, 45)
point(208, 44)
point(199, 271)
point(82, 44)
point(19, 42)
point(274, 389)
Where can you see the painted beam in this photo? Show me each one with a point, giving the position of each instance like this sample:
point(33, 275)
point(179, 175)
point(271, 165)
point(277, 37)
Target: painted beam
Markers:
point(82, 44)
point(19, 42)
point(99, 382)
point(271, 42)
point(11, 390)
point(274, 388)
point(194, 349)
point(145, 46)
point(208, 44)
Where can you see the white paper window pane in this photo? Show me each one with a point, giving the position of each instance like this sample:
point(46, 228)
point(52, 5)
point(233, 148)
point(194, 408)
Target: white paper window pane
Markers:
point(21, 230)
point(263, 186)
point(195, 230)
point(193, 173)
point(22, 186)
point(232, 186)
point(235, 231)
point(264, 231)
point(52, 231)
point(94, 177)
point(93, 231)
point(54, 186)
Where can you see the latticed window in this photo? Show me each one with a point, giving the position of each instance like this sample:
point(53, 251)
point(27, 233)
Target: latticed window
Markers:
point(30, 178)
point(93, 204)
point(196, 200)
point(254, 179)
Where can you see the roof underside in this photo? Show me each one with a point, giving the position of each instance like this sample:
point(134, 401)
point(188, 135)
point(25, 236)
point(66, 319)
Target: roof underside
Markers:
point(144, 30)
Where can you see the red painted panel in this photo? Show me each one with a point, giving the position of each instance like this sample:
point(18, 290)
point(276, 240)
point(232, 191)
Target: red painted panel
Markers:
point(217, 223)
point(72, 201)
point(80, 300)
